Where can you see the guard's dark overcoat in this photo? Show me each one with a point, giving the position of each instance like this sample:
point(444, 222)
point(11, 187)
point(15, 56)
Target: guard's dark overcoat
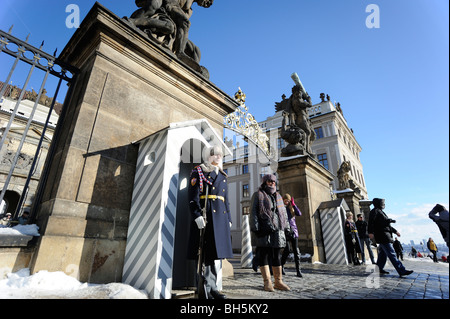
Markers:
point(217, 243)
point(350, 233)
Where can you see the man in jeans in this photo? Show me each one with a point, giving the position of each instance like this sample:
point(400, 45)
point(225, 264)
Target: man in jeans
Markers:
point(380, 229)
point(361, 225)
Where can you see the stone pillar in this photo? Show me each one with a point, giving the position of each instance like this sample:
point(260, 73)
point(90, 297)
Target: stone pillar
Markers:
point(128, 88)
point(246, 245)
point(352, 199)
point(364, 205)
point(308, 182)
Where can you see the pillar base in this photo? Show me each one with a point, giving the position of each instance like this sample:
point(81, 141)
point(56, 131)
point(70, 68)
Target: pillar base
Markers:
point(308, 182)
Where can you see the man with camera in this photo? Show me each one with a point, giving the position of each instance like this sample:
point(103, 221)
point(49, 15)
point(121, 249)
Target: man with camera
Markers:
point(380, 230)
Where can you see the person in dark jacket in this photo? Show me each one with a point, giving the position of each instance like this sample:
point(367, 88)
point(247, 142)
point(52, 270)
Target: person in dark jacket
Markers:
point(361, 225)
point(217, 238)
point(413, 252)
point(380, 230)
point(398, 248)
point(439, 214)
point(268, 223)
point(351, 240)
point(292, 234)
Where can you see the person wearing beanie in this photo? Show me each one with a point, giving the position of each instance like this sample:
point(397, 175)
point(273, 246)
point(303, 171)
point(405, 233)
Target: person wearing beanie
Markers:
point(268, 223)
point(431, 245)
point(380, 229)
point(361, 226)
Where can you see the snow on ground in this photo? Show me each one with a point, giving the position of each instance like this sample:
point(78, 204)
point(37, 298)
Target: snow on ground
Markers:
point(30, 230)
point(58, 285)
point(424, 259)
point(55, 285)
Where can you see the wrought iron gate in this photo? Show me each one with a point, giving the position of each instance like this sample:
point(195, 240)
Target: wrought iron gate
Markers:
point(25, 54)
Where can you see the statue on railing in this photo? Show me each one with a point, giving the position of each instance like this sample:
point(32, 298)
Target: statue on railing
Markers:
point(167, 22)
point(296, 128)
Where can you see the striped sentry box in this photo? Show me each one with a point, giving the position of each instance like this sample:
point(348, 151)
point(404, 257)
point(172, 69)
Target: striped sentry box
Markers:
point(151, 232)
point(246, 244)
point(332, 222)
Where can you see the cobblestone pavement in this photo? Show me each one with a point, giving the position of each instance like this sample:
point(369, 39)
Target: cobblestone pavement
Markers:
point(322, 281)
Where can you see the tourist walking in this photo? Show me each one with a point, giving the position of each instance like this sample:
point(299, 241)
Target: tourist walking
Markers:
point(380, 229)
point(291, 234)
point(364, 239)
point(398, 249)
point(433, 248)
point(268, 223)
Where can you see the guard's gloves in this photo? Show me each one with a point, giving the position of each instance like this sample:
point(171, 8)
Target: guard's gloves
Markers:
point(200, 221)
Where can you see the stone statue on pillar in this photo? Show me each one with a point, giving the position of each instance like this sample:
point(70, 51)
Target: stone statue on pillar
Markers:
point(345, 182)
point(296, 128)
point(343, 175)
point(167, 22)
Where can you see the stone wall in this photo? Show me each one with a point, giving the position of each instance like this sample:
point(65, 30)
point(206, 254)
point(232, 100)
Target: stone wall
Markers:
point(127, 89)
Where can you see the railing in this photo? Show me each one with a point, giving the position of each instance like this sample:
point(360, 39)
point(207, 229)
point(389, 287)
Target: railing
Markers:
point(23, 52)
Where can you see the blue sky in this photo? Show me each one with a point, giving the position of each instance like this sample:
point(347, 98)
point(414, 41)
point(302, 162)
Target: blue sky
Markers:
point(392, 81)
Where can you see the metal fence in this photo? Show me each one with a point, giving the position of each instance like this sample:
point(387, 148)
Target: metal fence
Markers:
point(36, 59)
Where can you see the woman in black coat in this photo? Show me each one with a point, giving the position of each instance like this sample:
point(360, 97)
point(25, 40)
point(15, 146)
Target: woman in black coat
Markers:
point(268, 222)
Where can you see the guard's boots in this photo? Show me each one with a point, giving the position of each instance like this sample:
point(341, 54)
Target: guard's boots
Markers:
point(279, 284)
point(265, 272)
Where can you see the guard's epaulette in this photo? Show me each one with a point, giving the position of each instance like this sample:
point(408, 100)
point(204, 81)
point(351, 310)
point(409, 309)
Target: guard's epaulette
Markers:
point(223, 172)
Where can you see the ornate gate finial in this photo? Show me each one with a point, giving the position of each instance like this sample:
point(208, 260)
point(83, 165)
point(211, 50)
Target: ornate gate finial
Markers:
point(240, 97)
point(242, 122)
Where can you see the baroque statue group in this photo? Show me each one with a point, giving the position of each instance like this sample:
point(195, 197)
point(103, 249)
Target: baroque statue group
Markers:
point(168, 22)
